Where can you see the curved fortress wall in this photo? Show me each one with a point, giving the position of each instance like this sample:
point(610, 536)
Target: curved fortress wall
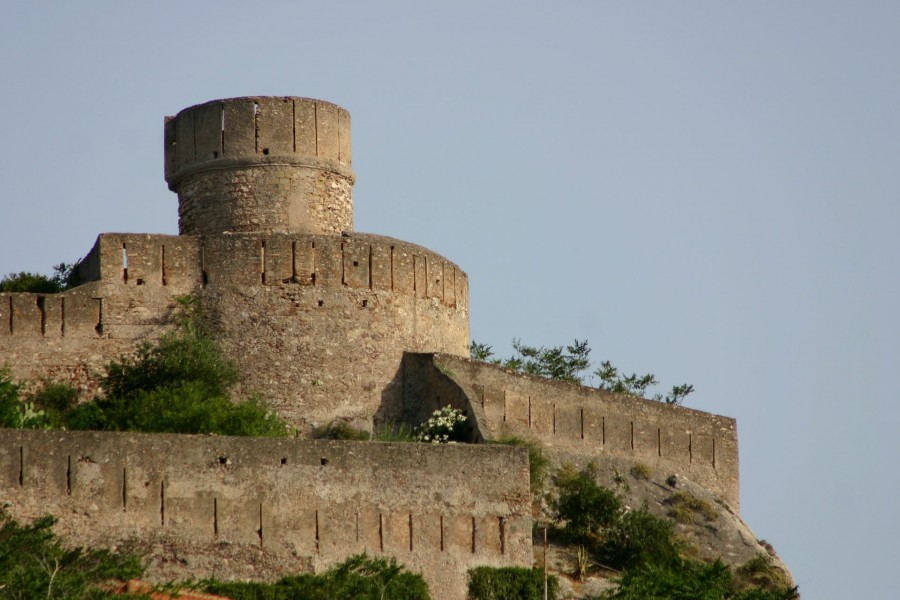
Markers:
point(579, 424)
point(275, 164)
point(242, 508)
point(319, 323)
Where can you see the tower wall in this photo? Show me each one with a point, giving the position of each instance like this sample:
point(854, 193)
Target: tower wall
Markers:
point(319, 323)
point(262, 165)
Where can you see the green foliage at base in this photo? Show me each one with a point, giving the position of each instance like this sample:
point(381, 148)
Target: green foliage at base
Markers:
point(183, 408)
point(638, 538)
point(644, 547)
point(584, 507)
point(394, 431)
point(510, 583)
point(358, 578)
point(180, 384)
point(689, 580)
point(34, 564)
point(340, 430)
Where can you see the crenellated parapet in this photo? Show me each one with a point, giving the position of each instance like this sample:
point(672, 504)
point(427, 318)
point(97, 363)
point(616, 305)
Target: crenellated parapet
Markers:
point(273, 507)
point(261, 164)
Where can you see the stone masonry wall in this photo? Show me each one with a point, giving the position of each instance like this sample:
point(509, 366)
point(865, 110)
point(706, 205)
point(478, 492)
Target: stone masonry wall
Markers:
point(263, 164)
point(133, 282)
point(578, 424)
point(262, 508)
point(319, 324)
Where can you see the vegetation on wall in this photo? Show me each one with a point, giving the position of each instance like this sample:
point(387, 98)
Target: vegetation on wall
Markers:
point(644, 549)
point(179, 384)
point(360, 577)
point(65, 276)
point(568, 363)
point(519, 583)
point(35, 564)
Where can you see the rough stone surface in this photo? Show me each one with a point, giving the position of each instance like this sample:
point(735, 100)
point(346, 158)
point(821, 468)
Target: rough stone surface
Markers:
point(578, 424)
point(259, 508)
point(327, 324)
point(261, 164)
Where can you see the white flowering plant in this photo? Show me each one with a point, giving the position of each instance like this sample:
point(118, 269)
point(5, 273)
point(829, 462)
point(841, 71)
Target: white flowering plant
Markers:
point(447, 425)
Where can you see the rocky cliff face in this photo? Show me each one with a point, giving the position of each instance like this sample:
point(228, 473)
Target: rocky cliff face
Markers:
point(709, 527)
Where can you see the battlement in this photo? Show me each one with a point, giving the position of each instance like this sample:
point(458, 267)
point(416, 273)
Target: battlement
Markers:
point(223, 134)
point(262, 164)
point(270, 507)
point(327, 325)
point(577, 423)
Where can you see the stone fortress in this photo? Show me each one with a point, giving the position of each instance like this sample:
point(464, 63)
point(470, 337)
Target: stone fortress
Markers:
point(328, 325)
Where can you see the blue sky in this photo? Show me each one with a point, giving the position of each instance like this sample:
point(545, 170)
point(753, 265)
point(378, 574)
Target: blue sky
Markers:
point(704, 190)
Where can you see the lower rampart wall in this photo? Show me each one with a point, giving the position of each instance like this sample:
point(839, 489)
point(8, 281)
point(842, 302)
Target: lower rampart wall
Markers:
point(580, 423)
point(260, 508)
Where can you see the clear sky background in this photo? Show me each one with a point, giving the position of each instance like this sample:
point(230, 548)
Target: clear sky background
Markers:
point(704, 190)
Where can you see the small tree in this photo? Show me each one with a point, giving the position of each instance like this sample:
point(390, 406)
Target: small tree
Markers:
point(584, 507)
point(65, 276)
point(567, 363)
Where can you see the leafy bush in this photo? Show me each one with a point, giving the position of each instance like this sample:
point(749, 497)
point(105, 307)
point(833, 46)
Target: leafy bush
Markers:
point(761, 572)
point(34, 564)
point(357, 578)
point(567, 363)
point(510, 583)
point(340, 430)
point(593, 515)
point(65, 276)
point(684, 507)
point(638, 538)
point(393, 431)
point(177, 358)
point(16, 412)
point(180, 384)
point(640, 471)
point(689, 580)
point(445, 426)
point(585, 507)
point(180, 408)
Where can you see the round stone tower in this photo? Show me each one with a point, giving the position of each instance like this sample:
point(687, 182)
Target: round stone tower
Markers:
point(261, 165)
point(317, 317)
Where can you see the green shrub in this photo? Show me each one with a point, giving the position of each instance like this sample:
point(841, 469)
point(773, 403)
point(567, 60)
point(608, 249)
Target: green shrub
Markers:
point(340, 430)
point(184, 408)
point(585, 507)
point(640, 471)
point(34, 564)
point(180, 384)
point(65, 276)
point(394, 431)
point(761, 572)
point(510, 583)
point(55, 401)
point(685, 507)
point(357, 578)
point(16, 412)
point(29, 282)
point(689, 580)
point(177, 358)
point(637, 538)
